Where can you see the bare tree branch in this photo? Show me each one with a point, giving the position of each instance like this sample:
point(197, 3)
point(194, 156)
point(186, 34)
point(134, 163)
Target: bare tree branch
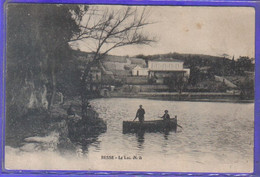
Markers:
point(113, 28)
point(104, 29)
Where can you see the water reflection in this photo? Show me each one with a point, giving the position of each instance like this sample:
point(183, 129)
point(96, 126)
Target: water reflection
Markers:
point(166, 134)
point(140, 139)
point(85, 132)
point(140, 136)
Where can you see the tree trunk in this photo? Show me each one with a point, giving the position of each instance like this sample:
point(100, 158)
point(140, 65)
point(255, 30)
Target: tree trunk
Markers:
point(53, 79)
point(83, 96)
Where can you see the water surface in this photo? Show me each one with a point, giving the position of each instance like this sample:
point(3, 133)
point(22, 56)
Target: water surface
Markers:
point(216, 137)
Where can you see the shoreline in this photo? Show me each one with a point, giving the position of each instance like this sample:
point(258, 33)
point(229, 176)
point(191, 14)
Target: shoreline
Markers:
point(185, 96)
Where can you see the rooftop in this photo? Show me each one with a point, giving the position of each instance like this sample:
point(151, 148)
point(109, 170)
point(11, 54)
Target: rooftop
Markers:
point(166, 60)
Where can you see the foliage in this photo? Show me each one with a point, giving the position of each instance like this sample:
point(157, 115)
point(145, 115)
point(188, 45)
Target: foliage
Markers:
point(38, 38)
point(37, 46)
point(247, 88)
point(177, 82)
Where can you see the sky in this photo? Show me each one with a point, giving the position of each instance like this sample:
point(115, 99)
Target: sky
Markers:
point(196, 30)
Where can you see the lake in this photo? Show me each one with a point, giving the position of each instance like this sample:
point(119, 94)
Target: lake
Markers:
point(216, 137)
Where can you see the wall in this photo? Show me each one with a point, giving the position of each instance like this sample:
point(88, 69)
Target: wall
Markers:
point(145, 88)
point(138, 71)
point(165, 66)
point(136, 80)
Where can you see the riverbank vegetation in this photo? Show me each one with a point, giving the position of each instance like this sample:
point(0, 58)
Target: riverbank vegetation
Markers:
point(41, 65)
point(205, 68)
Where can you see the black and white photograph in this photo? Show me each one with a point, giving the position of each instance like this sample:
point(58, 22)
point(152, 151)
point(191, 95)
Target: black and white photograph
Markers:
point(129, 88)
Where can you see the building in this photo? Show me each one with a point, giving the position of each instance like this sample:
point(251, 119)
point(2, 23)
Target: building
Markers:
point(161, 70)
point(139, 71)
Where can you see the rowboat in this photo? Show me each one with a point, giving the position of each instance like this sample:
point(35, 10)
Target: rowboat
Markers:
point(150, 126)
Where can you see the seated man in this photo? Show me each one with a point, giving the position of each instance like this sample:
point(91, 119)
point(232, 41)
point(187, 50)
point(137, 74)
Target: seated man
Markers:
point(166, 116)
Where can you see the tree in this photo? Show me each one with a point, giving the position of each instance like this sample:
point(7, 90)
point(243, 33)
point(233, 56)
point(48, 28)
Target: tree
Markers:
point(37, 45)
point(247, 86)
point(177, 82)
point(39, 39)
point(106, 29)
point(243, 64)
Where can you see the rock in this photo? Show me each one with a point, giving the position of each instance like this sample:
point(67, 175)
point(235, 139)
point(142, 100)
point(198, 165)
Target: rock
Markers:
point(52, 137)
point(30, 147)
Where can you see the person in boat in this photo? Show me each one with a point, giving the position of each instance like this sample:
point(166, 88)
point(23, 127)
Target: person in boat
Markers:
point(140, 114)
point(166, 116)
point(71, 112)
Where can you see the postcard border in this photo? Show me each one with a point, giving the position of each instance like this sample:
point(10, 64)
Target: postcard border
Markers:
point(240, 3)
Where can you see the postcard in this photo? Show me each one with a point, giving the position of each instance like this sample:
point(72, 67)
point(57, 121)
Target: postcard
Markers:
point(129, 88)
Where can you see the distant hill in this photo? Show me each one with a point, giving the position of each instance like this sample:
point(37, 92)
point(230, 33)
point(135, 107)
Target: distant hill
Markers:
point(114, 58)
point(188, 59)
point(179, 56)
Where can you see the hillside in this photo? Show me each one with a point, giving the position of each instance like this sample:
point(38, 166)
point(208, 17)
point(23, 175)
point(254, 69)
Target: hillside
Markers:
point(214, 64)
point(204, 69)
point(179, 56)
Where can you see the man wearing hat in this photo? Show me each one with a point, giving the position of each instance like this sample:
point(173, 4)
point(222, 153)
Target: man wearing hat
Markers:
point(166, 116)
point(140, 114)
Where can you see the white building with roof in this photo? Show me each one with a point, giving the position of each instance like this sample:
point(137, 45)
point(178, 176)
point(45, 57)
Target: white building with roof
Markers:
point(163, 69)
point(163, 66)
point(170, 65)
point(139, 71)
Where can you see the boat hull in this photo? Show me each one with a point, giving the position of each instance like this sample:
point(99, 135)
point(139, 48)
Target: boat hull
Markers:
point(150, 126)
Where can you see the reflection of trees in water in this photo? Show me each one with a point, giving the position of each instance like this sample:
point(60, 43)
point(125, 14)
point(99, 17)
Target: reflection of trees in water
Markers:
point(84, 143)
point(85, 132)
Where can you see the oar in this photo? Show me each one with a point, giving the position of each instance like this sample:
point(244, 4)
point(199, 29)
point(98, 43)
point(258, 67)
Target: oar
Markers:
point(179, 126)
point(134, 118)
